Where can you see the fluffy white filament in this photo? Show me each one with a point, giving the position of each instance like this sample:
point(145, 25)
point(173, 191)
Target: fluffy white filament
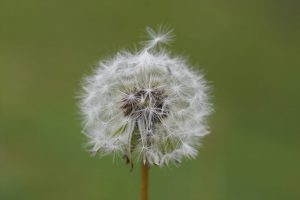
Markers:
point(146, 103)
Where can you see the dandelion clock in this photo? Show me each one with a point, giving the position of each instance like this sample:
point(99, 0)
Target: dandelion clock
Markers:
point(146, 106)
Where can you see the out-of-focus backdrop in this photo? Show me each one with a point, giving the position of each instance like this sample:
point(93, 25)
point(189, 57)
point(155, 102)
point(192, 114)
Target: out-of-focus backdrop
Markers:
point(249, 51)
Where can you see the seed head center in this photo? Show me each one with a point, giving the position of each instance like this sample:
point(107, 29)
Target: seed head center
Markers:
point(146, 103)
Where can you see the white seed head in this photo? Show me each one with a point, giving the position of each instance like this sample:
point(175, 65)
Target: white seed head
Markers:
point(147, 103)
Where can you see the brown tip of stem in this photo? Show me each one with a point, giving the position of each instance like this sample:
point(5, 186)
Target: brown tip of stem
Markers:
point(144, 180)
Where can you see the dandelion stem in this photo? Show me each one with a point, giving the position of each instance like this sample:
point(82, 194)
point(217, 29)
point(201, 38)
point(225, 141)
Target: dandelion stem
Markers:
point(144, 181)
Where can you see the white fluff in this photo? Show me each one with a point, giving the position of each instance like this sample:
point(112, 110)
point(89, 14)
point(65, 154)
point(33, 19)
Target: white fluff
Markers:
point(155, 138)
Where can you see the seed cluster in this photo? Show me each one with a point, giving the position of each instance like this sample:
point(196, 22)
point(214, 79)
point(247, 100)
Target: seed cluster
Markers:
point(149, 104)
point(146, 103)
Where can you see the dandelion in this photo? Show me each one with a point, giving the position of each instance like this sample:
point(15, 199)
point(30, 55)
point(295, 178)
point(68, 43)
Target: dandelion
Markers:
point(146, 105)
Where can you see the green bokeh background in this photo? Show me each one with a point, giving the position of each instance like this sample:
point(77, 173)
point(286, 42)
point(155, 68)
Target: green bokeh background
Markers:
point(249, 51)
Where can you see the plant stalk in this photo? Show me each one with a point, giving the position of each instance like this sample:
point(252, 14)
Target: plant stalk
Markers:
point(144, 181)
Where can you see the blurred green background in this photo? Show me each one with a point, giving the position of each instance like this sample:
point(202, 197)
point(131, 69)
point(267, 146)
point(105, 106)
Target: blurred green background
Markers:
point(249, 51)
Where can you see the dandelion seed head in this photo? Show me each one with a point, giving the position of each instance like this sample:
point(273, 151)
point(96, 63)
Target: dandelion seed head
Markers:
point(146, 103)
